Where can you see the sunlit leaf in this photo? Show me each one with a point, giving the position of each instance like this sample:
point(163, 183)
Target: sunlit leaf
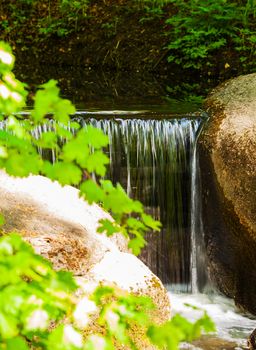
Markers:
point(2, 219)
point(136, 244)
point(66, 173)
point(17, 343)
point(95, 137)
point(150, 222)
point(8, 326)
point(108, 227)
point(96, 162)
point(92, 192)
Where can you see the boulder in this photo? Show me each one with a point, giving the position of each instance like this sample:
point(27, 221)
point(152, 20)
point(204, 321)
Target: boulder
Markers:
point(63, 228)
point(227, 151)
point(60, 225)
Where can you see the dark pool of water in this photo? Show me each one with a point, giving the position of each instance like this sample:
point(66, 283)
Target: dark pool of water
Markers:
point(98, 90)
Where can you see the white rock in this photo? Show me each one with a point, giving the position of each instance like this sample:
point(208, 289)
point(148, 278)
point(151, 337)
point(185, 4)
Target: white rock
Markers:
point(63, 228)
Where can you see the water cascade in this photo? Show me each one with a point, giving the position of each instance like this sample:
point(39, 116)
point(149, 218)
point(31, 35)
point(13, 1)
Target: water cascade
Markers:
point(155, 161)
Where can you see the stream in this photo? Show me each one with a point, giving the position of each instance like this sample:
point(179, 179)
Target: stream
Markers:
point(232, 326)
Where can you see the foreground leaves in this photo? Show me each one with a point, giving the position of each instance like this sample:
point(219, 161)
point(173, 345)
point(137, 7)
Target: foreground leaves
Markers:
point(37, 308)
point(32, 294)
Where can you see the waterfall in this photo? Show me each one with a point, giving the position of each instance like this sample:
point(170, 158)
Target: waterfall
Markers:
point(198, 257)
point(155, 161)
point(194, 202)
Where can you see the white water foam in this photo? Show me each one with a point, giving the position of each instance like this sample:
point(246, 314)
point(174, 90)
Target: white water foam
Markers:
point(230, 324)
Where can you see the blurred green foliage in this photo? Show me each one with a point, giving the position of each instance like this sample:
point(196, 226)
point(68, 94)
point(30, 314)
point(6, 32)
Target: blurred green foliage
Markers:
point(200, 34)
point(38, 309)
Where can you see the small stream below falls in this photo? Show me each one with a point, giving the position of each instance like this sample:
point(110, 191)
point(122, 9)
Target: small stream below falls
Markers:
point(232, 327)
point(153, 155)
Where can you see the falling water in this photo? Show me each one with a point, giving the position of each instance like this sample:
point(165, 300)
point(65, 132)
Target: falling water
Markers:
point(193, 254)
point(155, 161)
point(197, 256)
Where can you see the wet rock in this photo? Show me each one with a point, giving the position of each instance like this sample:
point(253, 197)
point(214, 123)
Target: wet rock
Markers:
point(62, 227)
point(252, 340)
point(215, 343)
point(228, 162)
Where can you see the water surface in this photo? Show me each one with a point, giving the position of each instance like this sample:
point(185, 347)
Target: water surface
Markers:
point(231, 324)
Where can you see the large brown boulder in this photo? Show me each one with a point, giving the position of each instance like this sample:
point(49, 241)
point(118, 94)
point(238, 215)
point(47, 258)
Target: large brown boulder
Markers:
point(63, 228)
point(228, 163)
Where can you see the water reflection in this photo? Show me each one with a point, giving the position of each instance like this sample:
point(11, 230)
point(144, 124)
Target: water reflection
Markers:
point(90, 90)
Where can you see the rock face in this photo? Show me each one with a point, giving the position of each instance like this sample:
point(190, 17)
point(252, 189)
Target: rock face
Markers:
point(62, 227)
point(228, 162)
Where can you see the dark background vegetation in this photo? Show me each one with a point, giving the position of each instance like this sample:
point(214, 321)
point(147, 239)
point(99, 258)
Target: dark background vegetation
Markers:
point(187, 45)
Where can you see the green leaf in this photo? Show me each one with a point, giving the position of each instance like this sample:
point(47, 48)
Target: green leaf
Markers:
point(62, 111)
point(76, 149)
point(117, 200)
point(12, 92)
point(92, 192)
point(95, 137)
point(83, 149)
point(2, 219)
point(96, 163)
point(136, 244)
point(121, 333)
point(47, 140)
point(22, 164)
point(108, 227)
point(8, 326)
point(47, 101)
point(205, 323)
point(65, 281)
point(16, 343)
point(75, 125)
point(101, 293)
point(166, 336)
point(150, 222)
point(3, 152)
point(6, 247)
point(64, 172)
point(63, 132)
point(135, 224)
